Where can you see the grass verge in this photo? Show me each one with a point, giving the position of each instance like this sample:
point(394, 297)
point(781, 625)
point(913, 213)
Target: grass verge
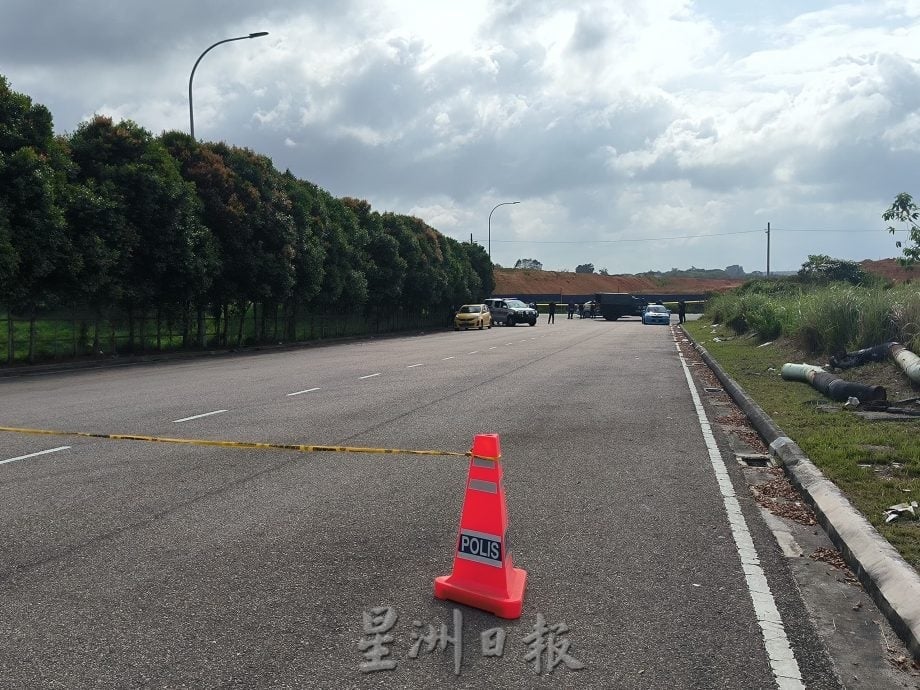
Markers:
point(875, 463)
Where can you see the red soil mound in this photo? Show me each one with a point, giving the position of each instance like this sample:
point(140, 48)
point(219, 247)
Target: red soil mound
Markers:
point(515, 281)
point(891, 269)
point(510, 281)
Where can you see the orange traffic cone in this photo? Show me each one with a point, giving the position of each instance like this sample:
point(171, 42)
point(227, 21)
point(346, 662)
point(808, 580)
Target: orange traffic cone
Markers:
point(483, 574)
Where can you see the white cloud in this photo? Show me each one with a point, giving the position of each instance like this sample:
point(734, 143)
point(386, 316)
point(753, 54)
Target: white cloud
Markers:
point(608, 119)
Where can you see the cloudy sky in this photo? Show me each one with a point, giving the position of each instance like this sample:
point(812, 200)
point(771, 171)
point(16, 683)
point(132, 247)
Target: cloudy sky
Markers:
point(637, 134)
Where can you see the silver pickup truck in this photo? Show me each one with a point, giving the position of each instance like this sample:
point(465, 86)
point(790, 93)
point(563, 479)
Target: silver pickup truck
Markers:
point(510, 311)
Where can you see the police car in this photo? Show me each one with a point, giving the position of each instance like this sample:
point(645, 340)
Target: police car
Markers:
point(656, 313)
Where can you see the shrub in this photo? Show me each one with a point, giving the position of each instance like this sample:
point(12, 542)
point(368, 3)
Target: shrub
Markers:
point(825, 320)
point(821, 268)
point(762, 316)
point(741, 313)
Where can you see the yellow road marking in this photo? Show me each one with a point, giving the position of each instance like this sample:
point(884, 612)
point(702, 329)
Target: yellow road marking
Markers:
point(303, 448)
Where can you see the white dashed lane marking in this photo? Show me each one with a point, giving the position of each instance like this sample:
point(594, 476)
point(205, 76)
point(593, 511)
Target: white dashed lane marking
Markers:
point(309, 390)
point(198, 416)
point(33, 455)
point(369, 376)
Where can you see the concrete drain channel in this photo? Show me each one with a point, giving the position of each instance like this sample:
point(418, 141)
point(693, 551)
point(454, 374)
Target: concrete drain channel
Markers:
point(753, 460)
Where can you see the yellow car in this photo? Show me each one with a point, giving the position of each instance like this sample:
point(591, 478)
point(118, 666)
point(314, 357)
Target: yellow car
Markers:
point(472, 316)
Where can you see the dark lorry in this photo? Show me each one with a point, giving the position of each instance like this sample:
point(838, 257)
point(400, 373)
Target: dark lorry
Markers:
point(613, 305)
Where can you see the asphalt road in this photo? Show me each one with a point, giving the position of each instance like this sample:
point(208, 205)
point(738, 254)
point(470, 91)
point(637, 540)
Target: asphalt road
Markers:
point(142, 564)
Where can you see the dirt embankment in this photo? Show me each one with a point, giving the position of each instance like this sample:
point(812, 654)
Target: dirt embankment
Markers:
point(891, 269)
point(529, 282)
point(516, 281)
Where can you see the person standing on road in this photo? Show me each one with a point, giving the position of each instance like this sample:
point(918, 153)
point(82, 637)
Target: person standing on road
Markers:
point(681, 311)
point(571, 310)
point(552, 313)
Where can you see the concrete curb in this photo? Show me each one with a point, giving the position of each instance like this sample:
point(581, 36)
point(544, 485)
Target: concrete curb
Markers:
point(891, 581)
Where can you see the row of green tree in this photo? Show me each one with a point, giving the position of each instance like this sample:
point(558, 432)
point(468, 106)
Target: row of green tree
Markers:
point(113, 219)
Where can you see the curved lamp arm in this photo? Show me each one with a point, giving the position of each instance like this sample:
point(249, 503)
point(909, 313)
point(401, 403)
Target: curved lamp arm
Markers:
point(504, 203)
point(191, 112)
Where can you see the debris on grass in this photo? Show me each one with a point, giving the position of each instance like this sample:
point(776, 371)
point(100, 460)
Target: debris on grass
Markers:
point(901, 510)
point(877, 353)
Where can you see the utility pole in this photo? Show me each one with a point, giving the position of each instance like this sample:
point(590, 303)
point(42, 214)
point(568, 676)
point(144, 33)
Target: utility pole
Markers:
point(768, 249)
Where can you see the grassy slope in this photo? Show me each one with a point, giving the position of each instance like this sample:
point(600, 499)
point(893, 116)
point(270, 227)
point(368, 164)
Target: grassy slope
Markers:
point(876, 464)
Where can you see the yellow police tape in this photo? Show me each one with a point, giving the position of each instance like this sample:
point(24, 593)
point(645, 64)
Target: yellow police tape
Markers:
point(235, 444)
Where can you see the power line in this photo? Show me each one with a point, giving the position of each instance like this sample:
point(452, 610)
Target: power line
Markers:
point(691, 237)
point(832, 230)
point(629, 239)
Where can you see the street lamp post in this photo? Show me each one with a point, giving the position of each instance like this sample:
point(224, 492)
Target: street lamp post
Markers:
point(191, 112)
point(504, 203)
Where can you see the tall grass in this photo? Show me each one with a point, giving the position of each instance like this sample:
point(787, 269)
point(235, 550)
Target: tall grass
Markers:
point(824, 320)
point(743, 313)
point(905, 317)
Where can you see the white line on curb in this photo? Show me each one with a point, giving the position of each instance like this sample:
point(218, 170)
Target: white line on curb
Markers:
point(32, 455)
point(309, 390)
point(369, 376)
point(197, 416)
point(782, 660)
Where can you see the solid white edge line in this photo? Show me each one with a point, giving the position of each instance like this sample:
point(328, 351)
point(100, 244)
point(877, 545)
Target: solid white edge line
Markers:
point(369, 376)
point(32, 455)
point(779, 652)
point(309, 390)
point(197, 416)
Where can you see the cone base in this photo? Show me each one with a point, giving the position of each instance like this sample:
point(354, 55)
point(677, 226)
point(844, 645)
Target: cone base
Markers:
point(446, 587)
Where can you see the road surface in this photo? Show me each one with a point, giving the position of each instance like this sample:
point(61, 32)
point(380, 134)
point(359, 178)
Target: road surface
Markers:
point(151, 564)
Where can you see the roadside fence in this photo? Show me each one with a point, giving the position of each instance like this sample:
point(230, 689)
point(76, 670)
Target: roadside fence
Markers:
point(74, 334)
